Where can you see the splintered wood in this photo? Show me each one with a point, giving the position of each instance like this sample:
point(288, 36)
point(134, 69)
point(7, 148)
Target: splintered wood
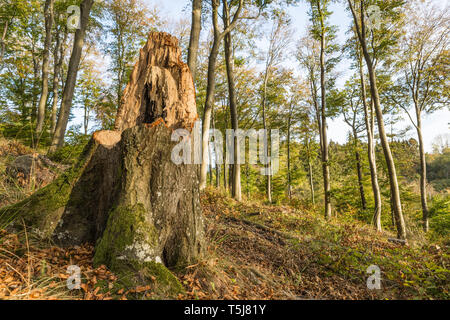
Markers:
point(161, 86)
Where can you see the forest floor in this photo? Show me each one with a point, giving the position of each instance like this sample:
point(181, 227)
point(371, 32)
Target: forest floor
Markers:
point(255, 251)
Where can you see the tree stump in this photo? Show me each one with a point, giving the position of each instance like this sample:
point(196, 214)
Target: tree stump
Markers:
point(125, 195)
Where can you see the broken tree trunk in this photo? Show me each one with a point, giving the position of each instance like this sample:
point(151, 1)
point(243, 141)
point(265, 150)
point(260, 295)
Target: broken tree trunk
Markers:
point(125, 194)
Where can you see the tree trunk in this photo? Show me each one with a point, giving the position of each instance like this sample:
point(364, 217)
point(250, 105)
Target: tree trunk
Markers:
point(35, 86)
point(289, 154)
point(247, 173)
point(325, 157)
point(369, 121)
point(266, 138)
point(395, 192)
point(59, 58)
point(423, 173)
point(195, 36)
point(236, 174)
point(209, 102)
point(125, 194)
point(48, 13)
point(66, 103)
point(359, 172)
point(3, 43)
point(210, 89)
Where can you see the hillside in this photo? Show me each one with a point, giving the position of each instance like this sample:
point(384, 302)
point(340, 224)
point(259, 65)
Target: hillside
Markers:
point(255, 251)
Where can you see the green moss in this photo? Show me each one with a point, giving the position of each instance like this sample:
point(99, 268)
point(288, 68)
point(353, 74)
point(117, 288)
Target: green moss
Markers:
point(128, 228)
point(164, 278)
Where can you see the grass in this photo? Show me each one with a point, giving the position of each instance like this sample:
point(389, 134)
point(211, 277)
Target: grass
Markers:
point(255, 251)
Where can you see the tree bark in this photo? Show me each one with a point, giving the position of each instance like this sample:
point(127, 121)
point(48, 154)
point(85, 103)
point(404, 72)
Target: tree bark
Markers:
point(48, 13)
point(59, 58)
point(195, 36)
point(66, 103)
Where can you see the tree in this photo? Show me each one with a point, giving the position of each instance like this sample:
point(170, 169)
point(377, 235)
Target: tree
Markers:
point(351, 111)
point(361, 29)
point(61, 35)
point(324, 34)
point(49, 17)
point(370, 129)
point(209, 101)
point(90, 92)
point(195, 36)
point(69, 88)
point(423, 60)
point(279, 38)
point(131, 21)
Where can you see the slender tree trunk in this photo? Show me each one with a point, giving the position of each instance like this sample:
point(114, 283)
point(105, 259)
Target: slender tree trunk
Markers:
point(423, 173)
point(195, 36)
point(209, 101)
point(370, 125)
point(86, 119)
point(66, 104)
point(311, 182)
point(397, 206)
point(48, 13)
point(266, 138)
point(225, 185)
point(217, 175)
point(325, 157)
point(359, 172)
point(3, 43)
point(210, 167)
point(207, 112)
point(59, 58)
point(247, 173)
point(35, 88)
point(236, 173)
point(210, 89)
point(289, 154)
point(215, 151)
point(395, 192)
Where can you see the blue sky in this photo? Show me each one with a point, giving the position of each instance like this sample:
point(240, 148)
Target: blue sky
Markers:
point(433, 125)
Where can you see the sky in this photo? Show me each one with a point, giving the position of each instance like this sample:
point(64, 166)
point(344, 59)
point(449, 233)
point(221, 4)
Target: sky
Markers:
point(433, 125)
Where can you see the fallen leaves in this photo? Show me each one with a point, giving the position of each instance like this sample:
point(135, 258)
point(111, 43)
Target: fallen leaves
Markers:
point(42, 274)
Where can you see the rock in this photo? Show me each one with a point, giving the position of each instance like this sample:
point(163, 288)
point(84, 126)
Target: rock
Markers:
point(35, 167)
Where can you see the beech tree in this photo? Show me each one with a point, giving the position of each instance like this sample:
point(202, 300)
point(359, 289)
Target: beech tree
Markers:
point(279, 39)
point(49, 17)
point(219, 35)
point(69, 88)
point(195, 36)
point(370, 57)
point(423, 64)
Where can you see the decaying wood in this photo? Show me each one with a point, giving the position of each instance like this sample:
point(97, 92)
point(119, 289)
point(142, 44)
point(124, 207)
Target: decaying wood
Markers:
point(161, 86)
point(125, 194)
